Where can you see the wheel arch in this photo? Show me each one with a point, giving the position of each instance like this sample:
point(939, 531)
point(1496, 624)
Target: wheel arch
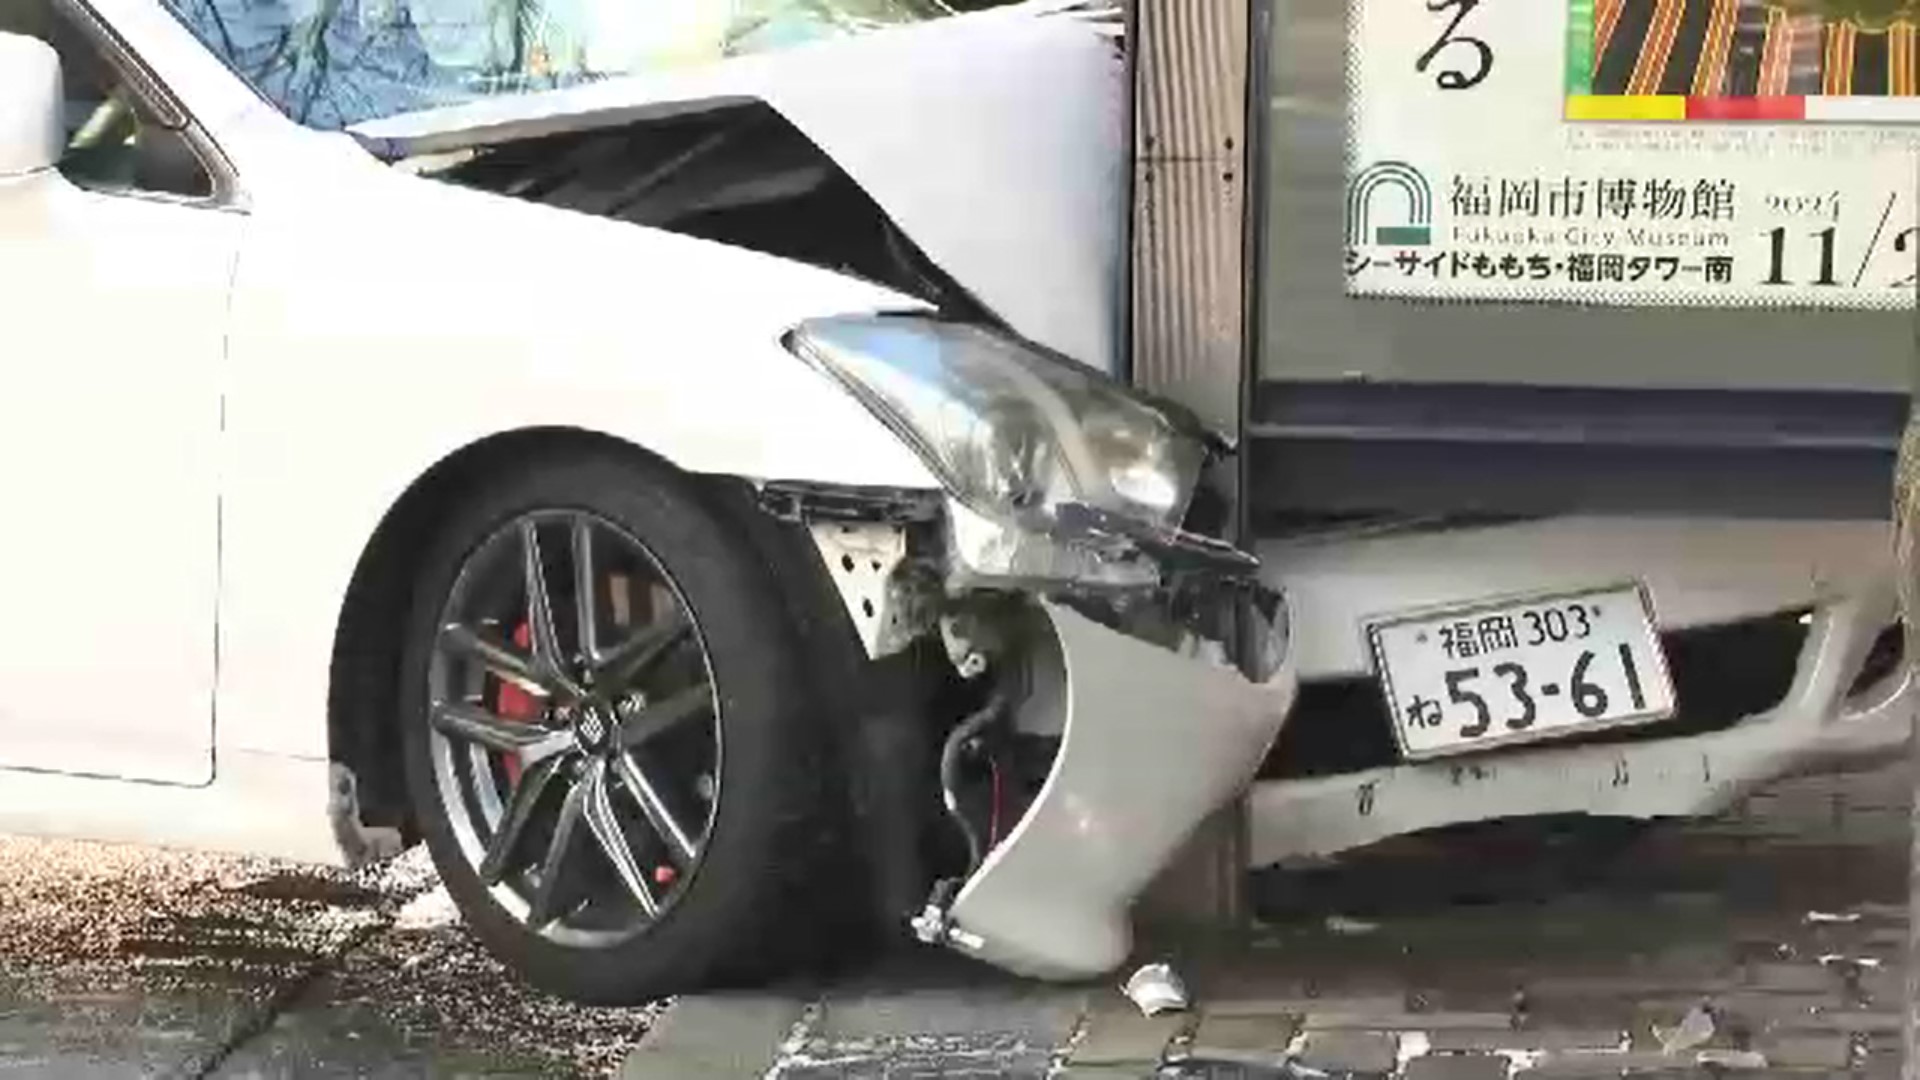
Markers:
point(873, 708)
point(364, 662)
point(363, 668)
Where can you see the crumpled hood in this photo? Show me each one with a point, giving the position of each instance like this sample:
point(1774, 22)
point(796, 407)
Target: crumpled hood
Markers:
point(994, 141)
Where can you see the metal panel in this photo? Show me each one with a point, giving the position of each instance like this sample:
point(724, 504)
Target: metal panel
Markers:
point(1449, 448)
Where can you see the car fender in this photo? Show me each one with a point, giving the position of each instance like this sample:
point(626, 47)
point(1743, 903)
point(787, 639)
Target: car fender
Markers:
point(383, 322)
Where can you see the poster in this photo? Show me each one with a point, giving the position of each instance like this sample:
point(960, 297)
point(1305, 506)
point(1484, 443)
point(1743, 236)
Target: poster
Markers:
point(1680, 152)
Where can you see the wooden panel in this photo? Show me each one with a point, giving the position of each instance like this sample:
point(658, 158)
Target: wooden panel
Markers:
point(1191, 65)
point(1189, 273)
point(1191, 78)
point(1188, 298)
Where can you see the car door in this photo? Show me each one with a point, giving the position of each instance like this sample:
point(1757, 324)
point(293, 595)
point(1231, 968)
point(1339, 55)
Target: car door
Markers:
point(114, 275)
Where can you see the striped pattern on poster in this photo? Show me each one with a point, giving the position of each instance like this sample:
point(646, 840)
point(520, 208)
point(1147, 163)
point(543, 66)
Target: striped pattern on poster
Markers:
point(1739, 60)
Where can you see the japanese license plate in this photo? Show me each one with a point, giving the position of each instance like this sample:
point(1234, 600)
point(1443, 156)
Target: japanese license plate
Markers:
point(1467, 678)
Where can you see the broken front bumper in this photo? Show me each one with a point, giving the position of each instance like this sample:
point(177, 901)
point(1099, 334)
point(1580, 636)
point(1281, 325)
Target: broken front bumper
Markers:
point(1153, 739)
point(1107, 643)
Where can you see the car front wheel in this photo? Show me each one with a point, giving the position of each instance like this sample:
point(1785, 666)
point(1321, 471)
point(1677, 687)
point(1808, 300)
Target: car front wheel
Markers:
point(608, 746)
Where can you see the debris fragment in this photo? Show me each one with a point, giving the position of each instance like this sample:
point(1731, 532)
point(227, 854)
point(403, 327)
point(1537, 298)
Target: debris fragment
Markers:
point(1694, 1029)
point(1413, 1044)
point(1818, 917)
point(1840, 960)
point(1341, 924)
point(428, 911)
point(1519, 1061)
point(1732, 1059)
point(1155, 988)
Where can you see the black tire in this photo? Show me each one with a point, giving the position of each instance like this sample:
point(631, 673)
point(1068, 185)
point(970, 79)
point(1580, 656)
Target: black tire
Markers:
point(730, 918)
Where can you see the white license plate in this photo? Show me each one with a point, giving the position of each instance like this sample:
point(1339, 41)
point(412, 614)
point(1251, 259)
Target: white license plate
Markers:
point(1492, 674)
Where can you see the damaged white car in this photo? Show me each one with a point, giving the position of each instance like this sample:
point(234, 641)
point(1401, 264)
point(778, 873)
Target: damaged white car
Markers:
point(660, 456)
point(443, 423)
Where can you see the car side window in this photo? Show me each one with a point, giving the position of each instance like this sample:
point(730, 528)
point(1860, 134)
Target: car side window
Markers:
point(114, 140)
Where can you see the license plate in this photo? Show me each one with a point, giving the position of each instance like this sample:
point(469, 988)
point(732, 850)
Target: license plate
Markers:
point(1492, 674)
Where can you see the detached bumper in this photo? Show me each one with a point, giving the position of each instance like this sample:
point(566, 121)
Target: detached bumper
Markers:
point(1153, 740)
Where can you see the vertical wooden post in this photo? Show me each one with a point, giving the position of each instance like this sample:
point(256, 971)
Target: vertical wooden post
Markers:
point(1188, 314)
point(1188, 318)
point(1906, 524)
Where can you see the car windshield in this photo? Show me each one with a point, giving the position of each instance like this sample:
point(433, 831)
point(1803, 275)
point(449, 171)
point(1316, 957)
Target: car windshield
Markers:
point(335, 63)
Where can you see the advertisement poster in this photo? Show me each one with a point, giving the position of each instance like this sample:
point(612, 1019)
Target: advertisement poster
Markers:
point(1683, 152)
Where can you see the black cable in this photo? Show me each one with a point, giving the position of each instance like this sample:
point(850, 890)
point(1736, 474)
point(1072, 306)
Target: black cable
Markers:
point(949, 774)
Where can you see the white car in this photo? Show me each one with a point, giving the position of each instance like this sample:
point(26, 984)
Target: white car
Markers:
point(614, 561)
point(664, 464)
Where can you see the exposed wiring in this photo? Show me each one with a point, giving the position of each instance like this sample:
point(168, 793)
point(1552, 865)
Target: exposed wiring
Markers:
point(950, 773)
point(993, 808)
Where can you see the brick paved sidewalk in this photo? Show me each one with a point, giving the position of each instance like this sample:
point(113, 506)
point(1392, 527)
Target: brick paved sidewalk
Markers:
point(1765, 943)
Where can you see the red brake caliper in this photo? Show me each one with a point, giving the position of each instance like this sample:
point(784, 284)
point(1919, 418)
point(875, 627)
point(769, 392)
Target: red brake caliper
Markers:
point(513, 703)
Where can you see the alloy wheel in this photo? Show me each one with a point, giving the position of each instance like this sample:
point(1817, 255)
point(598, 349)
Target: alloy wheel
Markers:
point(574, 732)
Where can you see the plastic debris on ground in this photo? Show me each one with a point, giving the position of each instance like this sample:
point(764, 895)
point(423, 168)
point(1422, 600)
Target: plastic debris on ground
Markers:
point(429, 910)
point(1693, 1030)
point(1833, 917)
point(1341, 924)
point(1156, 988)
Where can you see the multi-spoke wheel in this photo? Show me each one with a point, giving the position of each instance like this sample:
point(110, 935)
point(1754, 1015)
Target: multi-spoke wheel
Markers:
point(605, 728)
point(575, 745)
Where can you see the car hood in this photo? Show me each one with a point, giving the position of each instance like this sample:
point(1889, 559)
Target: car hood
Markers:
point(994, 141)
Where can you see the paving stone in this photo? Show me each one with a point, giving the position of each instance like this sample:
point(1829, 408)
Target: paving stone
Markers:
point(1639, 949)
point(1632, 986)
point(1256, 1004)
point(1073, 1071)
point(1372, 1052)
point(1488, 991)
point(1852, 1021)
point(1213, 1070)
point(1890, 938)
point(1385, 1020)
point(1120, 1036)
point(1459, 1021)
point(1359, 1003)
point(1403, 1020)
point(1882, 1062)
point(1633, 1063)
point(1259, 1040)
point(1885, 984)
point(1794, 978)
point(1038, 1018)
point(1774, 1010)
point(1456, 1067)
point(1554, 1038)
point(1808, 1050)
point(880, 1069)
point(714, 1036)
point(1733, 1060)
point(914, 1057)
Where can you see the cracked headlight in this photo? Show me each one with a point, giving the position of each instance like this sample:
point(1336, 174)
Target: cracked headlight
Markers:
point(1012, 432)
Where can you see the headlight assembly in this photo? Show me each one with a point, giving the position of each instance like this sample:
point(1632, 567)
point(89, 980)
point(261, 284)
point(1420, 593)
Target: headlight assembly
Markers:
point(1014, 434)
